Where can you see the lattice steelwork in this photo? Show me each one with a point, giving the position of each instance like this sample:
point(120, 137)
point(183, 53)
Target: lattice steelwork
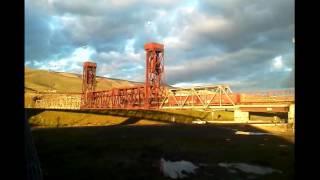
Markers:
point(154, 90)
point(88, 82)
point(58, 101)
point(139, 97)
point(204, 97)
point(126, 98)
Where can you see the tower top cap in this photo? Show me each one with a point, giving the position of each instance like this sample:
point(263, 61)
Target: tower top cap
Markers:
point(153, 46)
point(89, 63)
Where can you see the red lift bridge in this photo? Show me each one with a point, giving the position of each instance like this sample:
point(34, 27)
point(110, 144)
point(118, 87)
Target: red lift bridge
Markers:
point(154, 94)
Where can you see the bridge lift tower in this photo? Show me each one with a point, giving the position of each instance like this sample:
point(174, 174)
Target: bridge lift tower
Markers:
point(154, 84)
point(88, 82)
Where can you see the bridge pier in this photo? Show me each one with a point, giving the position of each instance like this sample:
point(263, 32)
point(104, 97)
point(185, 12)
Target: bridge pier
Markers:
point(241, 116)
point(291, 119)
point(291, 114)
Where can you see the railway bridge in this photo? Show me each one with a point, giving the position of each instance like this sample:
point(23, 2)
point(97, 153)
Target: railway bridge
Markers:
point(155, 94)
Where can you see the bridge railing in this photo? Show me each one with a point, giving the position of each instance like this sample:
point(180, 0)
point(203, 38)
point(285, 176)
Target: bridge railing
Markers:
point(268, 96)
point(131, 98)
point(125, 98)
point(278, 92)
point(60, 101)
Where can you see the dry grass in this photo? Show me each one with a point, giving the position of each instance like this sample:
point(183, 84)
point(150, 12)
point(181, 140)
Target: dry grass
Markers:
point(41, 80)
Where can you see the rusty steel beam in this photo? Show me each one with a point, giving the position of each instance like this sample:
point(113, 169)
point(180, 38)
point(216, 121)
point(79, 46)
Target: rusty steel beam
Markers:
point(126, 98)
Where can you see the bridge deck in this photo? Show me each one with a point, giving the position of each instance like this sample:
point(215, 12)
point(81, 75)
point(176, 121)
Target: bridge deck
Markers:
point(209, 98)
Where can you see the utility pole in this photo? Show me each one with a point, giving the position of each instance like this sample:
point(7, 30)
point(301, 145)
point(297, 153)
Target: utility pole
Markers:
point(51, 80)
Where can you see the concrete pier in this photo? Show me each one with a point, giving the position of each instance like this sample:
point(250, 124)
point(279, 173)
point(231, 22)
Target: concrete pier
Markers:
point(241, 116)
point(291, 119)
point(291, 114)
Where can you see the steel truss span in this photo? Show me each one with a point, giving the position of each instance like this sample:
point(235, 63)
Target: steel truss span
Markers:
point(204, 97)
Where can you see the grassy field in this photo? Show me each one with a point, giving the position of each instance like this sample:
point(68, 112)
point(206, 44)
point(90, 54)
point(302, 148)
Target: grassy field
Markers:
point(129, 146)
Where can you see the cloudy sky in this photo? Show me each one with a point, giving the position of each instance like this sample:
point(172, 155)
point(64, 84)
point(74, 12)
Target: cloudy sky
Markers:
point(247, 44)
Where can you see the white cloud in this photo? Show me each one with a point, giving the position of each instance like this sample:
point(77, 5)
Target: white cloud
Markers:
point(151, 28)
point(129, 51)
point(71, 63)
point(189, 84)
point(288, 69)
point(210, 24)
point(126, 64)
point(37, 63)
point(277, 62)
point(174, 42)
point(201, 38)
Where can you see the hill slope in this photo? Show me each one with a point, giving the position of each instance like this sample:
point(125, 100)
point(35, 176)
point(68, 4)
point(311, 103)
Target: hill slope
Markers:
point(43, 81)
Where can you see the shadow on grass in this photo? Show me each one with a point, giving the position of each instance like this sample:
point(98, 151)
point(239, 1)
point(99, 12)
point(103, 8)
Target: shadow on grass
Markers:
point(130, 120)
point(29, 112)
point(134, 114)
point(132, 152)
point(269, 116)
